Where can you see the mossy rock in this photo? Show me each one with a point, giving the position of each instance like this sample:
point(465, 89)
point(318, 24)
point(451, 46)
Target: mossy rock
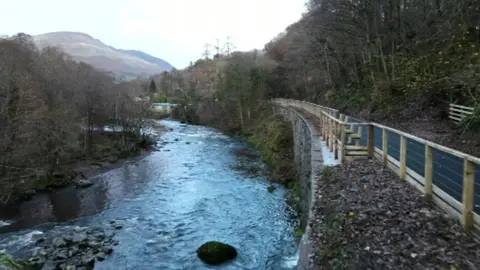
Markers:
point(271, 188)
point(215, 253)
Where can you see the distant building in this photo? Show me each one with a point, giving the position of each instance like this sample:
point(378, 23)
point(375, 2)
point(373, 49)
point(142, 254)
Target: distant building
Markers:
point(140, 99)
point(163, 107)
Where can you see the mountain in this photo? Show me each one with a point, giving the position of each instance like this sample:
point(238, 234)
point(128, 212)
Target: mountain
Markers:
point(148, 58)
point(83, 47)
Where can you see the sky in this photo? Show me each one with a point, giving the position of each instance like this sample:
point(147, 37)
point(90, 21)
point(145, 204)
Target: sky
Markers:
point(174, 30)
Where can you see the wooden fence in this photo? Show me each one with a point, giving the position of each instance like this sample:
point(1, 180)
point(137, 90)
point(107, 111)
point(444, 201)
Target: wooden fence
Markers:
point(457, 113)
point(449, 177)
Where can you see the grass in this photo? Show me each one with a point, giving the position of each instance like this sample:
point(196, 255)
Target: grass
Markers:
point(10, 263)
point(327, 173)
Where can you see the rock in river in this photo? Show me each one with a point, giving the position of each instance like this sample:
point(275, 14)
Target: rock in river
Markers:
point(83, 183)
point(79, 237)
point(215, 253)
point(70, 248)
point(58, 242)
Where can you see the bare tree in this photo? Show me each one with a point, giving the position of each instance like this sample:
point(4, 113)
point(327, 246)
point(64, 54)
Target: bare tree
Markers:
point(53, 110)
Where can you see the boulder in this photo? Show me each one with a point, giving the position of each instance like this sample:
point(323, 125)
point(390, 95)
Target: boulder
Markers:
point(101, 256)
point(73, 251)
point(58, 242)
point(36, 262)
point(88, 260)
point(215, 253)
point(60, 254)
point(79, 237)
point(83, 183)
point(117, 226)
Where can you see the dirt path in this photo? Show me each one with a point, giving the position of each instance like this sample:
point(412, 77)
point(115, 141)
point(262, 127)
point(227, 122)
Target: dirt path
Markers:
point(367, 218)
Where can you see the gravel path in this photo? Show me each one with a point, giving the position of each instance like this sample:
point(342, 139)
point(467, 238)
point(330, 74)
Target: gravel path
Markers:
point(367, 218)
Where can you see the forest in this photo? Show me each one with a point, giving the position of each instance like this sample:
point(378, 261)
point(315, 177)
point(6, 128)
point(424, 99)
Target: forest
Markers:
point(395, 56)
point(53, 112)
point(374, 59)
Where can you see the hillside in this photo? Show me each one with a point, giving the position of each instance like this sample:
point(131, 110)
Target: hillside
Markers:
point(83, 47)
point(147, 57)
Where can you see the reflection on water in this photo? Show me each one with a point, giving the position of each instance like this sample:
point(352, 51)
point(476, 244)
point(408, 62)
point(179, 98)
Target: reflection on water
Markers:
point(171, 202)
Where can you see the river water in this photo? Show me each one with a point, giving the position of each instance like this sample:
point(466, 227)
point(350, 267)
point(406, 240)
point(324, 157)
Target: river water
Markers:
point(190, 191)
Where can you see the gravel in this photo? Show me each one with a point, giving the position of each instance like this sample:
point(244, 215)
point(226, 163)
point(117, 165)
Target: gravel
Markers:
point(365, 217)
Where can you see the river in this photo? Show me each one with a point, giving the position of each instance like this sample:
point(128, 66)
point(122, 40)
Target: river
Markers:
point(191, 190)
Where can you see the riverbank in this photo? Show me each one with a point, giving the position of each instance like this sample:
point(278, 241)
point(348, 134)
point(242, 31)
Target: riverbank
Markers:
point(273, 136)
point(79, 248)
point(105, 154)
point(366, 217)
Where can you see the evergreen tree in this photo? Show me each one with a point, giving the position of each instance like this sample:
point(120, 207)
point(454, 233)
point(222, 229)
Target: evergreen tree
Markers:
point(152, 87)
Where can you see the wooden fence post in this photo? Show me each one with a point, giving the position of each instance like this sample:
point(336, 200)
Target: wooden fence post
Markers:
point(331, 135)
point(468, 193)
point(335, 140)
point(328, 131)
point(428, 172)
point(359, 133)
point(371, 141)
point(322, 122)
point(385, 147)
point(342, 141)
point(325, 133)
point(403, 157)
point(319, 119)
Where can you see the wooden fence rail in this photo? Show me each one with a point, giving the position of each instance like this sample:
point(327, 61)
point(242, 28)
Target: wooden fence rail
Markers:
point(449, 177)
point(457, 113)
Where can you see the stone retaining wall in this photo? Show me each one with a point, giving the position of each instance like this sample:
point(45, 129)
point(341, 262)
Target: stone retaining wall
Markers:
point(308, 163)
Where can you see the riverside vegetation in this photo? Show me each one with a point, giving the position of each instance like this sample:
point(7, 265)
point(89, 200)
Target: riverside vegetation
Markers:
point(61, 119)
point(54, 113)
